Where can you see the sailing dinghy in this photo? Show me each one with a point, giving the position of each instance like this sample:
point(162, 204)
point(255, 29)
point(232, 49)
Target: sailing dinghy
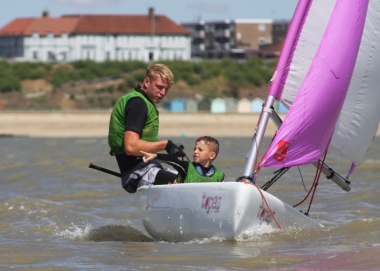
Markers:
point(327, 77)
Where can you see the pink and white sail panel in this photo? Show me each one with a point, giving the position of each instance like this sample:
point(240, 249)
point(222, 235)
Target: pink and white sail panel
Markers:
point(360, 115)
point(359, 120)
point(310, 35)
point(307, 130)
point(290, 47)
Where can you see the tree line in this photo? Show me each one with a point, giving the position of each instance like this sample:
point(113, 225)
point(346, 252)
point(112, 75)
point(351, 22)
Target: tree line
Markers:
point(253, 71)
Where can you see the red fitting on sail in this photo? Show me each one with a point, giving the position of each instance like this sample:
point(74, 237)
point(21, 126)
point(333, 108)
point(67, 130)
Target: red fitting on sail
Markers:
point(282, 149)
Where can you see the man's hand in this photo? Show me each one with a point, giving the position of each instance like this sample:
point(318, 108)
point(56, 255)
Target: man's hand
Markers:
point(148, 156)
point(175, 150)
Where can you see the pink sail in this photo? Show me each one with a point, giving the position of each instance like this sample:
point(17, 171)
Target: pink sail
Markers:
point(308, 127)
point(289, 47)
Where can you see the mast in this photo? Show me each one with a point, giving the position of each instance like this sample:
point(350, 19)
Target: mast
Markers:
point(277, 82)
point(259, 135)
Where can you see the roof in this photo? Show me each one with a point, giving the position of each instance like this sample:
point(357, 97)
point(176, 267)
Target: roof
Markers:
point(94, 24)
point(44, 25)
point(128, 24)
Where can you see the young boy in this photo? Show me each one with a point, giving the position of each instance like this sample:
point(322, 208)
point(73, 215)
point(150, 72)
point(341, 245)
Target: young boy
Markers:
point(201, 170)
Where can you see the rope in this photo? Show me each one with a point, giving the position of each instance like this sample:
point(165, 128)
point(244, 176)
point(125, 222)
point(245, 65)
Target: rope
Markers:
point(314, 185)
point(266, 203)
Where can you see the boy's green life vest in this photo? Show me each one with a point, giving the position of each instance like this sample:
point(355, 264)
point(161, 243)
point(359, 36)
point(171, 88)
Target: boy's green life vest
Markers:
point(117, 123)
point(193, 176)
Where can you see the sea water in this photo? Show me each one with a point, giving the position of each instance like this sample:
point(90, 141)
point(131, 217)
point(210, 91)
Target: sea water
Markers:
point(57, 214)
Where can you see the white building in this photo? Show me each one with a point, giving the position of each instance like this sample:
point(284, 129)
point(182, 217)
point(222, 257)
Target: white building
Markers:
point(95, 37)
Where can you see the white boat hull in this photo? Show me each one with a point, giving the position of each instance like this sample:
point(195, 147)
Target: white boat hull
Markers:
point(184, 212)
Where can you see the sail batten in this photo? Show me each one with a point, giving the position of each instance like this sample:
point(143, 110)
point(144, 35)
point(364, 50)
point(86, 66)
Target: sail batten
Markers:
point(307, 130)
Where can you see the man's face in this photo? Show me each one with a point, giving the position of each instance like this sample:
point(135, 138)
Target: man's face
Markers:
point(156, 90)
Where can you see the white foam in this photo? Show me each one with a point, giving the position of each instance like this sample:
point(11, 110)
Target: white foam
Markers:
point(75, 232)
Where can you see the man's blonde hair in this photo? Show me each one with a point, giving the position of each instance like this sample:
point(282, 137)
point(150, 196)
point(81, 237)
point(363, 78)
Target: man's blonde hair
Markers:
point(160, 70)
point(211, 142)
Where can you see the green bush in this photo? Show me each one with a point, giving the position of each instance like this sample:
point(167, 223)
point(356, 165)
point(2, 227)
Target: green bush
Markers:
point(250, 72)
point(9, 83)
point(60, 76)
point(122, 87)
point(139, 77)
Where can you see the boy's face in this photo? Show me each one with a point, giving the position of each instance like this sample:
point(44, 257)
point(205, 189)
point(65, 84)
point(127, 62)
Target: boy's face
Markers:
point(202, 154)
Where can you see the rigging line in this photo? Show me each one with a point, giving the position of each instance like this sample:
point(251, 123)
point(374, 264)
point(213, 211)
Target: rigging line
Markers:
point(319, 171)
point(266, 203)
point(269, 209)
point(258, 169)
point(315, 180)
point(279, 174)
point(299, 170)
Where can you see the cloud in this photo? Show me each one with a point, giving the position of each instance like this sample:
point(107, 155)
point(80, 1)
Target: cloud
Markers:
point(205, 7)
point(86, 3)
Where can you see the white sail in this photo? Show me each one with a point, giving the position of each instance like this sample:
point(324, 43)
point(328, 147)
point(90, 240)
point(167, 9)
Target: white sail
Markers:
point(360, 116)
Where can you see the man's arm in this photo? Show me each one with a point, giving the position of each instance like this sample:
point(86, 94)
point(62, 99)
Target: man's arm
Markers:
point(136, 112)
point(133, 144)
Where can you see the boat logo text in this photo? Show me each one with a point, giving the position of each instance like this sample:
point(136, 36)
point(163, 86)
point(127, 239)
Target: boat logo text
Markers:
point(211, 203)
point(264, 215)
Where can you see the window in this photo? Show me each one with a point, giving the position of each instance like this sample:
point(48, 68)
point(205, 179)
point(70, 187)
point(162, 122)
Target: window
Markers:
point(261, 27)
point(51, 56)
point(62, 56)
point(108, 55)
point(262, 41)
point(35, 55)
point(150, 56)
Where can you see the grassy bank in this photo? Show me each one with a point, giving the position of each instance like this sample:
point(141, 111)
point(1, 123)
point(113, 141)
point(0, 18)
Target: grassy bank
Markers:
point(87, 84)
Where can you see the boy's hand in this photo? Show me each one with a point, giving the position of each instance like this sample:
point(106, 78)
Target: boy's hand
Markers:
point(148, 156)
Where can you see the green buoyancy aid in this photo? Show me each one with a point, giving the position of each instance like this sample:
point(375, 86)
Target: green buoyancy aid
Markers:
point(117, 123)
point(194, 177)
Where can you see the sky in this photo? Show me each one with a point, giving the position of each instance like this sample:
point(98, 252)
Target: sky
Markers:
point(179, 11)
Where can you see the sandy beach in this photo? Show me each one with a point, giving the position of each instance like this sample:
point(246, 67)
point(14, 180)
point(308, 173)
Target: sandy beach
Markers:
point(95, 124)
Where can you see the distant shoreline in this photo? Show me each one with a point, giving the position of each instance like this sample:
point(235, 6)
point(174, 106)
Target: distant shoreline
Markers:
point(95, 124)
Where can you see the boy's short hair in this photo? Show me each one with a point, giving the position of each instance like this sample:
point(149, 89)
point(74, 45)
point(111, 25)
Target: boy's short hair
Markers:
point(211, 142)
point(160, 70)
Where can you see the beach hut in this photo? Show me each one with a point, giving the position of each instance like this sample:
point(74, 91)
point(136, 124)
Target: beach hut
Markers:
point(165, 106)
point(191, 105)
point(177, 105)
point(204, 105)
point(281, 108)
point(218, 105)
point(244, 106)
point(256, 105)
point(231, 105)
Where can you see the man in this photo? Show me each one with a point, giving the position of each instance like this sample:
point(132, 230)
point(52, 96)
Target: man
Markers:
point(134, 128)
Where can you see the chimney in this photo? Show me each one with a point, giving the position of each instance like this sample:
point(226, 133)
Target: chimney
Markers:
point(45, 14)
point(151, 18)
point(151, 13)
